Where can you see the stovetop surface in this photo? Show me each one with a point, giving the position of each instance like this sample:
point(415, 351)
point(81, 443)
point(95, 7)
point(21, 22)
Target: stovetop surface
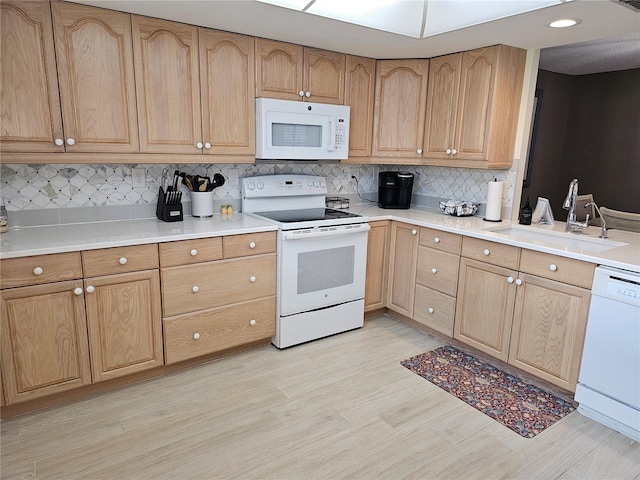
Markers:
point(306, 215)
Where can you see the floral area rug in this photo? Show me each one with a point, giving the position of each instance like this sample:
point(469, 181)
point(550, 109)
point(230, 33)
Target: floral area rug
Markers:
point(522, 407)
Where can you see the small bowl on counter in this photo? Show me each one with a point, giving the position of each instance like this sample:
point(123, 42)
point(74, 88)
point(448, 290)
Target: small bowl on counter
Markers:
point(458, 208)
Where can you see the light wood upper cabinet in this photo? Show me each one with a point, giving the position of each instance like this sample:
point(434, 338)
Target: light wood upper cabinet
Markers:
point(377, 263)
point(167, 86)
point(472, 107)
point(95, 71)
point(293, 72)
point(403, 257)
point(44, 340)
point(227, 81)
point(359, 94)
point(401, 92)
point(29, 101)
point(125, 323)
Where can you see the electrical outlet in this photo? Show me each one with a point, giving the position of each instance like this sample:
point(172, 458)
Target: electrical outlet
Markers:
point(233, 177)
point(138, 177)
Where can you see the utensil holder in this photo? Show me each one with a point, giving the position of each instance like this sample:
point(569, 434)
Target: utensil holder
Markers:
point(202, 204)
point(169, 212)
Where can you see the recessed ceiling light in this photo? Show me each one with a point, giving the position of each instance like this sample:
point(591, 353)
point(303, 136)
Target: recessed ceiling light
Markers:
point(565, 22)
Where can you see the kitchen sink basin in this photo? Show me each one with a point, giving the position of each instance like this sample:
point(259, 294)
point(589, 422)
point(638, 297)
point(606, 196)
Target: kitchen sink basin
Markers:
point(561, 240)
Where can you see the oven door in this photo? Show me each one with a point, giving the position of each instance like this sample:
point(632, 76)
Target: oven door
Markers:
point(320, 267)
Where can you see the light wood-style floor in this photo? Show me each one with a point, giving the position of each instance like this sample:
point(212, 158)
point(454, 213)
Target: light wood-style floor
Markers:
point(341, 407)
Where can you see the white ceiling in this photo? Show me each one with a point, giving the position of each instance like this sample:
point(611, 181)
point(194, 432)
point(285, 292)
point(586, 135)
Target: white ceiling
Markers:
point(600, 19)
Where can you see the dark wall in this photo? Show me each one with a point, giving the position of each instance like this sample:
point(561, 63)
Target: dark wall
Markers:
point(589, 129)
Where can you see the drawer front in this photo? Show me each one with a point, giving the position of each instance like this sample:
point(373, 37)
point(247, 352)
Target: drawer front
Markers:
point(186, 252)
point(565, 270)
point(190, 288)
point(434, 310)
point(108, 261)
point(213, 330)
point(491, 252)
point(438, 270)
point(445, 241)
point(249, 244)
point(57, 267)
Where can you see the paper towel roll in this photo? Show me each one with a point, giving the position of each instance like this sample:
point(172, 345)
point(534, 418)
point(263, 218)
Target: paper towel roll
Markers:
point(494, 201)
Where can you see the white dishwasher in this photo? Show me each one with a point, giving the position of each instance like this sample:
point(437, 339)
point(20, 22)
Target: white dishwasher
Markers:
point(608, 389)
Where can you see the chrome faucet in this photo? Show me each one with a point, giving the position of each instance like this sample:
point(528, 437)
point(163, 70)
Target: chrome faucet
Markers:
point(603, 231)
point(570, 203)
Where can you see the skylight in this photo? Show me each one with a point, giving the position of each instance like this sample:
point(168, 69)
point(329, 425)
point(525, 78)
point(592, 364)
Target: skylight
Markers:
point(415, 18)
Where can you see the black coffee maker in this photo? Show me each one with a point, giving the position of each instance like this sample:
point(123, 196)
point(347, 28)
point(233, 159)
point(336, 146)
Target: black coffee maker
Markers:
point(394, 189)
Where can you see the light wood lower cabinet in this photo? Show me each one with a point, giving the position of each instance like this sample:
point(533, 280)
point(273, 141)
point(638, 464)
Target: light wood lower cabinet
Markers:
point(125, 323)
point(376, 276)
point(403, 255)
point(44, 340)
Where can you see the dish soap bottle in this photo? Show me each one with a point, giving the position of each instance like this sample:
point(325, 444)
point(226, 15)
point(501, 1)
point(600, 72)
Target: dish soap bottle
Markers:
point(525, 214)
point(4, 219)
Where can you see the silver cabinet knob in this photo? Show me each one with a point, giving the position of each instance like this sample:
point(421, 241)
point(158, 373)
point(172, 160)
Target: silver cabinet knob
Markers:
point(196, 336)
point(486, 251)
point(436, 240)
point(252, 279)
point(194, 252)
point(509, 279)
point(553, 267)
point(414, 232)
point(301, 93)
point(434, 270)
point(307, 94)
point(199, 145)
point(59, 142)
point(454, 151)
point(123, 261)
point(90, 289)
point(77, 291)
point(195, 289)
point(419, 151)
point(38, 271)
point(71, 141)
point(518, 282)
point(448, 150)
point(252, 245)
point(207, 145)
point(252, 323)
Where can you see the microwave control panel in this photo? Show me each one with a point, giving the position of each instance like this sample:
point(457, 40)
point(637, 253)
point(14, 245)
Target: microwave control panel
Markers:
point(341, 134)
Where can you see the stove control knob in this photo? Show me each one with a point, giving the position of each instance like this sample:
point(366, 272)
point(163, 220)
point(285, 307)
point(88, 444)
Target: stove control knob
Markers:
point(322, 184)
point(310, 183)
point(260, 185)
point(316, 184)
point(250, 185)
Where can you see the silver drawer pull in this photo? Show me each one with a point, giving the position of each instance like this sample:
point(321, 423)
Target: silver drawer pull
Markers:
point(252, 279)
point(486, 251)
point(431, 310)
point(252, 245)
point(196, 336)
point(123, 261)
point(252, 323)
point(195, 289)
point(436, 240)
point(434, 270)
point(38, 271)
point(553, 267)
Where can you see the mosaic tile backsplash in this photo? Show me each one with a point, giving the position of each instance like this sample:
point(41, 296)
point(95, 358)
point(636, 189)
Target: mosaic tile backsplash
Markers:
point(32, 187)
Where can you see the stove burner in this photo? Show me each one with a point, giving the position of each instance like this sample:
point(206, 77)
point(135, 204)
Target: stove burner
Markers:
point(306, 215)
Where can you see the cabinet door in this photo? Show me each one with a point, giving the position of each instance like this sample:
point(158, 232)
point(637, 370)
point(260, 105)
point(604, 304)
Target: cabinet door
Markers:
point(442, 100)
point(167, 86)
point(44, 340)
point(376, 276)
point(227, 82)
point(359, 94)
point(323, 78)
point(484, 309)
point(278, 69)
point(29, 101)
point(401, 92)
point(125, 324)
point(402, 268)
point(549, 325)
point(478, 70)
point(95, 70)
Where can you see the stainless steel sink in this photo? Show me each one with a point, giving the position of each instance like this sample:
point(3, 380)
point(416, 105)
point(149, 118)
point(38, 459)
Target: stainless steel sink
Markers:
point(561, 240)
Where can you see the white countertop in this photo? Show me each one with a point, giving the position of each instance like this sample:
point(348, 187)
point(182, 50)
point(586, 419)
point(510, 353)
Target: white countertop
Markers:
point(27, 241)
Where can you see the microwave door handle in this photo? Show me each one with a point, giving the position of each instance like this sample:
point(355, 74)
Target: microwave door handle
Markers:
point(332, 135)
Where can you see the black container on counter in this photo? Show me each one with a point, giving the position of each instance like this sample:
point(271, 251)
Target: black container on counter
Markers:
point(394, 189)
point(525, 214)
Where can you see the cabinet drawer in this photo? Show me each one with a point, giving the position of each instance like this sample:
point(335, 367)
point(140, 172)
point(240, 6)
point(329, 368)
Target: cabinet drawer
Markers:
point(18, 272)
point(491, 252)
point(434, 309)
point(437, 270)
point(565, 270)
point(208, 331)
point(249, 244)
point(445, 241)
point(190, 288)
point(108, 261)
point(186, 252)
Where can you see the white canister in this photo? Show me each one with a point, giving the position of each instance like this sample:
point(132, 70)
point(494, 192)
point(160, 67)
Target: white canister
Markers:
point(202, 204)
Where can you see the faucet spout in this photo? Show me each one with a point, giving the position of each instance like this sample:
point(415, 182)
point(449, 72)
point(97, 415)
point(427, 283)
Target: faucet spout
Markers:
point(570, 204)
point(570, 201)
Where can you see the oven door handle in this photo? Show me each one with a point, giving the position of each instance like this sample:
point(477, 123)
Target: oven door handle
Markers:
point(299, 235)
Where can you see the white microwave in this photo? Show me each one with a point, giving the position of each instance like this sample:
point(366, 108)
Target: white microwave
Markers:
point(290, 130)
